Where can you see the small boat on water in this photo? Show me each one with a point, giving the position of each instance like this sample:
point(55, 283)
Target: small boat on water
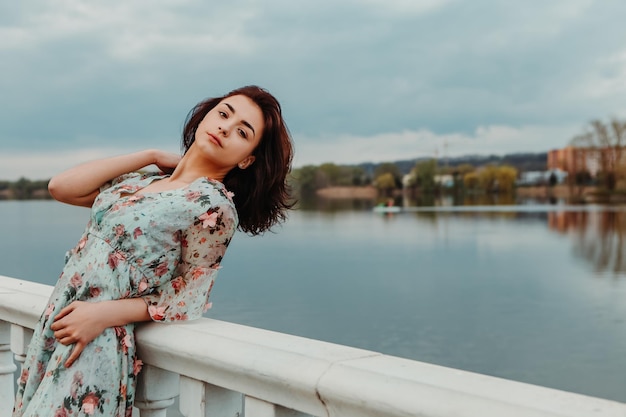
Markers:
point(387, 209)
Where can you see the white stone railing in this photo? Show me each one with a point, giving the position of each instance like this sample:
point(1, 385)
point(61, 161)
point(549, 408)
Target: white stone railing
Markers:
point(219, 369)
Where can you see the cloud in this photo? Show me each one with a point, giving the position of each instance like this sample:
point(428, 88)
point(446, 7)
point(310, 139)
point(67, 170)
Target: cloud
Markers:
point(86, 75)
point(609, 81)
point(485, 140)
point(44, 165)
point(404, 8)
point(130, 30)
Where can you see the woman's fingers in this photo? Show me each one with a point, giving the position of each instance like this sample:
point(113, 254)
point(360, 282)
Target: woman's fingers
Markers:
point(58, 324)
point(76, 351)
point(65, 341)
point(65, 334)
point(78, 323)
point(64, 312)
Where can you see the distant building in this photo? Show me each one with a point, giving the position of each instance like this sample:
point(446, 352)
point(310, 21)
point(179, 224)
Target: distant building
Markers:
point(445, 181)
point(408, 180)
point(573, 160)
point(541, 177)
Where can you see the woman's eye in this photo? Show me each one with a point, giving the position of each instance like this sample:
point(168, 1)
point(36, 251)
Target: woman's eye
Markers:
point(223, 114)
point(243, 133)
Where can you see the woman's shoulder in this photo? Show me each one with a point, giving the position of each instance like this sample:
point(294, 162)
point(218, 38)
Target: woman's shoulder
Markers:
point(209, 194)
point(214, 189)
point(143, 175)
point(135, 176)
point(129, 179)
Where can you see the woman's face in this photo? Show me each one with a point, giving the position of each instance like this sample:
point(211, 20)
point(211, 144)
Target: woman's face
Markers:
point(230, 132)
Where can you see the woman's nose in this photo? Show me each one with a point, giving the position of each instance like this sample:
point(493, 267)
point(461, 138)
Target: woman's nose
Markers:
point(223, 130)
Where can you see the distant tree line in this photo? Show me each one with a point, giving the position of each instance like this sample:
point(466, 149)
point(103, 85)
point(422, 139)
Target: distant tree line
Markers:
point(314, 177)
point(491, 179)
point(523, 162)
point(425, 176)
point(24, 189)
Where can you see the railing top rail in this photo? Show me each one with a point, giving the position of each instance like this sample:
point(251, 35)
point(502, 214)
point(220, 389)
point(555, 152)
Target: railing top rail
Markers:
point(322, 378)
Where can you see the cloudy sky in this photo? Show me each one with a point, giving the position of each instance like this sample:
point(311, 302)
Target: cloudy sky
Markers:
point(368, 80)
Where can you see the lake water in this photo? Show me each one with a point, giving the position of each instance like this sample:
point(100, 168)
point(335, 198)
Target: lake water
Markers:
point(531, 293)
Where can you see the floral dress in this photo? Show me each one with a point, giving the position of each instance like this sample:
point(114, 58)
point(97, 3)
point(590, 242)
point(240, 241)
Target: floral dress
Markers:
point(164, 247)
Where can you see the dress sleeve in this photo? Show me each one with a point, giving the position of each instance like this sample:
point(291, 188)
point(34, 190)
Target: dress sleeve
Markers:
point(203, 244)
point(118, 180)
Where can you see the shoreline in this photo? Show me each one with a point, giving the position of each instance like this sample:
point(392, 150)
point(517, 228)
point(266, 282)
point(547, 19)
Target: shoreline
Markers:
point(538, 191)
point(365, 192)
point(584, 194)
point(35, 195)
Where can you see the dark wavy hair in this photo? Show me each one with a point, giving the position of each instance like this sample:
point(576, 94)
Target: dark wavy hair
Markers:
point(262, 195)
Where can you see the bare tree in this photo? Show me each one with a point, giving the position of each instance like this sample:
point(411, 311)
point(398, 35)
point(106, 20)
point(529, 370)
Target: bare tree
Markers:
point(605, 142)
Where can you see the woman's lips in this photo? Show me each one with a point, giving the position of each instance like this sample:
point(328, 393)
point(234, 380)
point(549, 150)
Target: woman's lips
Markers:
point(215, 139)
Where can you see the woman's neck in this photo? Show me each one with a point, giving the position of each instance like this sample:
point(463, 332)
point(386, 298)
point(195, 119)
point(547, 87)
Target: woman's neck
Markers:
point(191, 168)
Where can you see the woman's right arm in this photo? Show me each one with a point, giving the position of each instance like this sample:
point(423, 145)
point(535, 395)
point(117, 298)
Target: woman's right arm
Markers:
point(80, 185)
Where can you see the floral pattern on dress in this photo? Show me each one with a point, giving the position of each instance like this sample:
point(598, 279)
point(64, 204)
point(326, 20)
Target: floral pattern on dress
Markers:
point(163, 247)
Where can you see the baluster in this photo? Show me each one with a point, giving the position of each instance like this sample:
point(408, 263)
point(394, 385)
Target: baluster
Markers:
point(259, 408)
point(7, 371)
point(288, 412)
point(156, 391)
point(199, 399)
point(20, 339)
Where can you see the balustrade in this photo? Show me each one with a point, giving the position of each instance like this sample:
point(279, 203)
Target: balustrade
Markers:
point(219, 369)
point(7, 368)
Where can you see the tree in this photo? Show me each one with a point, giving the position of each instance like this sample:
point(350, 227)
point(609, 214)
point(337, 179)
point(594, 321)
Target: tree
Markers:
point(606, 144)
point(506, 176)
point(470, 181)
point(22, 188)
point(305, 178)
point(331, 173)
point(385, 182)
point(424, 174)
point(389, 168)
point(582, 178)
point(488, 178)
point(464, 169)
point(358, 176)
point(553, 180)
point(310, 178)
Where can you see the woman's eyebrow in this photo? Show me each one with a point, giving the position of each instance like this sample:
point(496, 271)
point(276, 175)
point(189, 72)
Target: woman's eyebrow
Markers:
point(232, 110)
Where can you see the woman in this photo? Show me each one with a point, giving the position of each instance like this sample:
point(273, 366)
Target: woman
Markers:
point(152, 249)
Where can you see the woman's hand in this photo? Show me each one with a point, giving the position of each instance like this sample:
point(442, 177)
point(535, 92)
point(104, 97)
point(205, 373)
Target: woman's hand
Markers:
point(80, 185)
point(79, 323)
point(166, 161)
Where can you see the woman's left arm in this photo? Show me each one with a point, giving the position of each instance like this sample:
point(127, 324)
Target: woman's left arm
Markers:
point(81, 321)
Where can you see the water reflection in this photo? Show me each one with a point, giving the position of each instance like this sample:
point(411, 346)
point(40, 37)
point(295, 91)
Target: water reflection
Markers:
point(332, 205)
point(312, 202)
point(447, 200)
point(598, 237)
point(597, 234)
point(483, 213)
